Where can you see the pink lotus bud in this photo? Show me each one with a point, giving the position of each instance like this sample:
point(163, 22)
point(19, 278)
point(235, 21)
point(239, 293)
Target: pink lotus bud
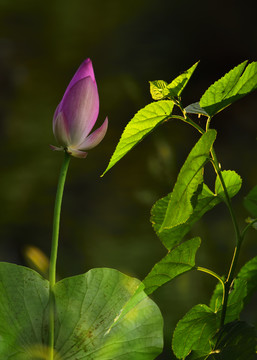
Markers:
point(77, 113)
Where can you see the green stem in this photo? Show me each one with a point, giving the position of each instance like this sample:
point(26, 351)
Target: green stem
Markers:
point(54, 250)
point(212, 273)
point(228, 201)
point(239, 238)
point(187, 120)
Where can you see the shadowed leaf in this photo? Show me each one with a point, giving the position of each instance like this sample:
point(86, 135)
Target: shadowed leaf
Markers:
point(180, 260)
point(250, 202)
point(194, 331)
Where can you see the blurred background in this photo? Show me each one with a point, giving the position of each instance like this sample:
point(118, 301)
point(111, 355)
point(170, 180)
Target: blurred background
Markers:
point(105, 221)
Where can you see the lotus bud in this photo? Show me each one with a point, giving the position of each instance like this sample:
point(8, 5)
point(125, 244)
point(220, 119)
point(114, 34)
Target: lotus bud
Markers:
point(77, 113)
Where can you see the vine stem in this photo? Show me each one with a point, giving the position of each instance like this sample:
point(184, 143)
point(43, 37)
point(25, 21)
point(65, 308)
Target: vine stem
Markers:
point(239, 236)
point(54, 250)
point(187, 120)
point(212, 273)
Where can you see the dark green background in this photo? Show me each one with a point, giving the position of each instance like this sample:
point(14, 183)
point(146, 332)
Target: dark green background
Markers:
point(105, 221)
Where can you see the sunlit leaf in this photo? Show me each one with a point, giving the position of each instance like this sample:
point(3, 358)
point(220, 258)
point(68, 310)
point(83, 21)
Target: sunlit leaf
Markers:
point(194, 331)
point(170, 214)
point(158, 89)
point(232, 181)
point(141, 125)
point(231, 87)
point(180, 207)
point(204, 202)
point(100, 315)
point(180, 260)
point(176, 87)
point(250, 202)
point(92, 306)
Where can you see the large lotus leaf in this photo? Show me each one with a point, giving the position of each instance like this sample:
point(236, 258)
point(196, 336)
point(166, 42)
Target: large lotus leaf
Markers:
point(23, 300)
point(99, 315)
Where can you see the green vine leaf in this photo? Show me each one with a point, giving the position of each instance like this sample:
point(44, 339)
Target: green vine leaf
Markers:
point(170, 214)
point(203, 202)
point(100, 315)
point(141, 125)
point(235, 341)
point(230, 88)
point(248, 273)
point(233, 183)
point(216, 298)
point(244, 286)
point(176, 87)
point(194, 332)
point(178, 261)
point(235, 301)
point(159, 89)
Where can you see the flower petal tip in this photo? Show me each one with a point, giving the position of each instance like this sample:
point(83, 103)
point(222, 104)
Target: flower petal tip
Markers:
point(95, 137)
point(56, 148)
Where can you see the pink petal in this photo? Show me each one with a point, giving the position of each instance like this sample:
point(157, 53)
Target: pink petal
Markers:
point(61, 130)
point(80, 107)
point(95, 138)
point(77, 153)
point(85, 70)
point(56, 148)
